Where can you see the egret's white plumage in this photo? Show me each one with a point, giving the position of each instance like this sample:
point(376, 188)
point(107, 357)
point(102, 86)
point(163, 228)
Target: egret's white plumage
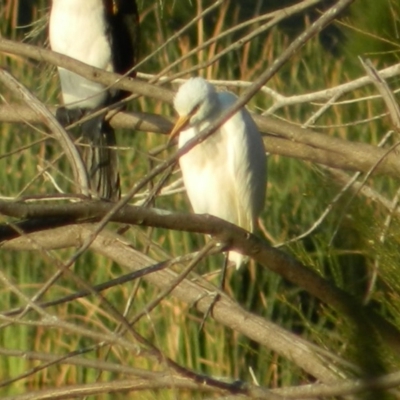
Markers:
point(78, 29)
point(226, 174)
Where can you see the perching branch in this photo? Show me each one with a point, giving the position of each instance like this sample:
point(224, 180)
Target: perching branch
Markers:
point(226, 233)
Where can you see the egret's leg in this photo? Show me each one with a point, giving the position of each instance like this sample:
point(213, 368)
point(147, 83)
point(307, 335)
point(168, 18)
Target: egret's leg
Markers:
point(221, 288)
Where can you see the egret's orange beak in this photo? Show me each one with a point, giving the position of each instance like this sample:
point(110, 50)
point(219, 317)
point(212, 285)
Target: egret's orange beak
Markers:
point(180, 124)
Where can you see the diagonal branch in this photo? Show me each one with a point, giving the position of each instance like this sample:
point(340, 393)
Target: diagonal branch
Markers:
point(108, 79)
point(225, 311)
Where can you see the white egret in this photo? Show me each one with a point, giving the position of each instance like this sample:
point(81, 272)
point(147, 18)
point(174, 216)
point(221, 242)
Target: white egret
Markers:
point(226, 174)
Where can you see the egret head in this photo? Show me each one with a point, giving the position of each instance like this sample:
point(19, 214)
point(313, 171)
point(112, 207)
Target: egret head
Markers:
point(195, 101)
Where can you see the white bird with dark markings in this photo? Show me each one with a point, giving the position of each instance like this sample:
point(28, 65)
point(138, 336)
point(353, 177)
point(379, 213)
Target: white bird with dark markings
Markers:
point(103, 34)
point(225, 175)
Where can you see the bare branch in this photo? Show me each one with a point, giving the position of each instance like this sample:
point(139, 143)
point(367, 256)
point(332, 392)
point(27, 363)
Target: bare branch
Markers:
point(108, 79)
point(225, 310)
point(289, 140)
point(385, 92)
point(226, 233)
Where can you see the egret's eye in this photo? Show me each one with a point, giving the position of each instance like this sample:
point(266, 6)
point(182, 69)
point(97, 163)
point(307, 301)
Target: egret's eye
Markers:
point(194, 110)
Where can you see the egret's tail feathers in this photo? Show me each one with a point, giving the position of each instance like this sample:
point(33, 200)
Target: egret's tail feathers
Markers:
point(101, 159)
point(237, 258)
point(99, 153)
